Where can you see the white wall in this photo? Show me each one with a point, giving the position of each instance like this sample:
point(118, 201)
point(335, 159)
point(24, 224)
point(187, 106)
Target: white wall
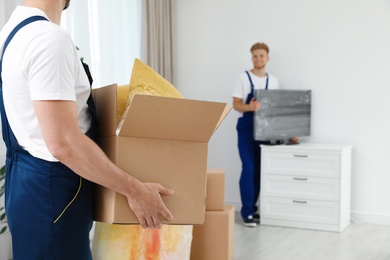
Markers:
point(339, 49)
point(2, 12)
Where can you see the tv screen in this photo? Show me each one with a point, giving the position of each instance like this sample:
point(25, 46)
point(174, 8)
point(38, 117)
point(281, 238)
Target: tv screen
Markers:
point(283, 114)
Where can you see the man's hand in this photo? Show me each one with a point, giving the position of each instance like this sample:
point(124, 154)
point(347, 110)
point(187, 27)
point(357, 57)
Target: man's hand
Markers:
point(254, 105)
point(294, 140)
point(146, 203)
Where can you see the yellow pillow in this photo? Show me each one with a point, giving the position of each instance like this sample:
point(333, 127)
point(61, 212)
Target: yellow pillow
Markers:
point(122, 93)
point(144, 81)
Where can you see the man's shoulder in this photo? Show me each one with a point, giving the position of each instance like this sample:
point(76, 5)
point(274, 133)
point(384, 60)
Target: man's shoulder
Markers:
point(274, 82)
point(271, 76)
point(243, 74)
point(35, 28)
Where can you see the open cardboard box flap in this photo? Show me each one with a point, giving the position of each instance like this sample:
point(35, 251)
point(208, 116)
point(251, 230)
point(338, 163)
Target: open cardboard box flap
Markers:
point(171, 118)
point(160, 117)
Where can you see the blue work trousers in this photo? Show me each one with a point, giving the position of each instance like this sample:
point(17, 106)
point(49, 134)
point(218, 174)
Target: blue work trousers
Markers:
point(49, 209)
point(250, 153)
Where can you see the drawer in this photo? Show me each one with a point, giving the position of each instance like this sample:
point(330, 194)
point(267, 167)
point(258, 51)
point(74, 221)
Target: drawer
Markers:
point(300, 187)
point(301, 163)
point(310, 211)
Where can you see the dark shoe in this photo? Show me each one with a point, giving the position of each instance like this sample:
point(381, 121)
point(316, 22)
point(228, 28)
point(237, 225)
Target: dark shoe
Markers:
point(249, 222)
point(256, 218)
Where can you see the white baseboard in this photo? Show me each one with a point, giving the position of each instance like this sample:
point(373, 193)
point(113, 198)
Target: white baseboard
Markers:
point(356, 216)
point(370, 218)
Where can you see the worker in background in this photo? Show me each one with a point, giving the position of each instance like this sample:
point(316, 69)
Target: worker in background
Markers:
point(249, 149)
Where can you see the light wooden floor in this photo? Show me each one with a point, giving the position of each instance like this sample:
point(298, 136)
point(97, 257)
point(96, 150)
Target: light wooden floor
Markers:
point(356, 242)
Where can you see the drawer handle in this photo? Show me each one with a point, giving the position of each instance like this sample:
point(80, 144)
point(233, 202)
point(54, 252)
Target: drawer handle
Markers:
point(300, 201)
point(300, 179)
point(301, 155)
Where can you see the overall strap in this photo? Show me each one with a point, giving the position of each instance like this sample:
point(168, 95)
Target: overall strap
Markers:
point(250, 80)
point(92, 133)
point(253, 86)
point(7, 132)
point(18, 27)
point(266, 81)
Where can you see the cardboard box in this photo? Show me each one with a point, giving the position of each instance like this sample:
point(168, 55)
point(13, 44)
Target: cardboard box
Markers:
point(163, 140)
point(214, 240)
point(215, 190)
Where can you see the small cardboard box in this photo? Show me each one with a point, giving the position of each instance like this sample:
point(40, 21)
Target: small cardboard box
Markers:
point(214, 240)
point(163, 140)
point(215, 191)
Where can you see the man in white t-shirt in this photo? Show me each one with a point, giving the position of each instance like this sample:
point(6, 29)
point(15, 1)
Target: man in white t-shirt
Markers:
point(249, 149)
point(47, 116)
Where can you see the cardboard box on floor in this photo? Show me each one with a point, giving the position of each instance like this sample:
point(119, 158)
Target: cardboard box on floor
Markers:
point(163, 140)
point(214, 240)
point(215, 191)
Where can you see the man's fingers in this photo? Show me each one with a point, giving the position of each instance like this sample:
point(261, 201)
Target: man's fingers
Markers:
point(142, 222)
point(165, 211)
point(157, 222)
point(148, 212)
point(166, 191)
point(167, 214)
point(150, 222)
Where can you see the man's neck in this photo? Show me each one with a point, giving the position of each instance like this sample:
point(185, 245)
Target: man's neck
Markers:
point(259, 72)
point(52, 8)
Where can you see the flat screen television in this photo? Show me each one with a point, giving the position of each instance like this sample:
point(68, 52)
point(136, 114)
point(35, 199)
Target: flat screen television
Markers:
point(284, 114)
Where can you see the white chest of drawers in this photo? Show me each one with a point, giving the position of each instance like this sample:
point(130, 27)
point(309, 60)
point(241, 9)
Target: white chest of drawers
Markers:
point(306, 186)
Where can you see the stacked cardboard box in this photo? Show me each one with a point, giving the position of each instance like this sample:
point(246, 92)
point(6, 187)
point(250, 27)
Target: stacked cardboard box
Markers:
point(214, 240)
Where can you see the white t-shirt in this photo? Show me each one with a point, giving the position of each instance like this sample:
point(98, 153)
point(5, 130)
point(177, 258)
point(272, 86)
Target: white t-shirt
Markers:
point(242, 87)
point(40, 63)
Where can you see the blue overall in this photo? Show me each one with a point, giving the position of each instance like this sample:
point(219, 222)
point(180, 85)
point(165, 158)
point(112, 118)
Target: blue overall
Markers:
point(249, 151)
point(48, 206)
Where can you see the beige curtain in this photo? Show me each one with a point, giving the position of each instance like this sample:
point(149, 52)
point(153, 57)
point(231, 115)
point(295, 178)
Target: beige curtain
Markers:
point(159, 37)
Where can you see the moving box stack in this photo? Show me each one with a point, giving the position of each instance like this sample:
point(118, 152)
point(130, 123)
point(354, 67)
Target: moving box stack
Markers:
point(214, 240)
